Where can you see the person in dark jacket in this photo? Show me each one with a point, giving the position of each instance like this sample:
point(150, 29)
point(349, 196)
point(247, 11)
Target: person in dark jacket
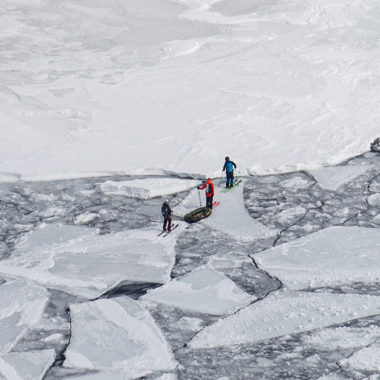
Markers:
point(209, 186)
point(167, 212)
point(229, 167)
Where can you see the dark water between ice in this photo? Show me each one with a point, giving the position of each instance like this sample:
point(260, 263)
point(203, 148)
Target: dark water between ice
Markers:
point(25, 205)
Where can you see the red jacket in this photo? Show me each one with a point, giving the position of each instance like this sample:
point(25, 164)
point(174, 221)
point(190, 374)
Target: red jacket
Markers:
point(209, 186)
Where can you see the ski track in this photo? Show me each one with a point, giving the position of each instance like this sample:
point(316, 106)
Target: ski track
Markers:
point(307, 209)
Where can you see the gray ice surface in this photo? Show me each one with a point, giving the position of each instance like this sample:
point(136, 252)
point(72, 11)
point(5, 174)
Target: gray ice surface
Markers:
point(294, 204)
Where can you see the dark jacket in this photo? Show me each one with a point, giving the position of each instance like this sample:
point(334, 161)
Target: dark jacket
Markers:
point(166, 210)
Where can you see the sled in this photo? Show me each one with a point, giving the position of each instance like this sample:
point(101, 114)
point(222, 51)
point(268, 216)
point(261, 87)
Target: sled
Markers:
point(197, 215)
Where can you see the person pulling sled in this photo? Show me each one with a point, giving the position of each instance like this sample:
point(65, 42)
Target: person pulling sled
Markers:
point(209, 186)
point(229, 167)
point(167, 212)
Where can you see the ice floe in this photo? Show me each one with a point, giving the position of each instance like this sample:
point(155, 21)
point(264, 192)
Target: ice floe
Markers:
point(343, 337)
point(230, 217)
point(229, 260)
point(333, 256)
point(22, 306)
point(115, 375)
point(147, 188)
point(290, 215)
point(285, 313)
point(332, 177)
point(117, 334)
point(204, 291)
point(50, 235)
point(101, 375)
point(167, 376)
point(74, 259)
point(85, 218)
point(30, 365)
point(367, 359)
point(295, 183)
point(374, 200)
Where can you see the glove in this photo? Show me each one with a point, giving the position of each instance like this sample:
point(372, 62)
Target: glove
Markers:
point(198, 187)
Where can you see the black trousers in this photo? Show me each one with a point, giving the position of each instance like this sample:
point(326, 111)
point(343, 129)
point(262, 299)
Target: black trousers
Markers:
point(168, 222)
point(230, 179)
point(209, 201)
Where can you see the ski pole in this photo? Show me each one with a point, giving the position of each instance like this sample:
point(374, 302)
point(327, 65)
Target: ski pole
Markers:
point(199, 195)
point(220, 181)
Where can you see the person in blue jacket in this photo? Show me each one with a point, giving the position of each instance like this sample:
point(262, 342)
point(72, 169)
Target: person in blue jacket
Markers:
point(229, 167)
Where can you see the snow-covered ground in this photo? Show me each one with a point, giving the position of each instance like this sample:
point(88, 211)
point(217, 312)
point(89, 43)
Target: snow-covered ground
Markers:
point(107, 108)
point(231, 219)
point(158, 85)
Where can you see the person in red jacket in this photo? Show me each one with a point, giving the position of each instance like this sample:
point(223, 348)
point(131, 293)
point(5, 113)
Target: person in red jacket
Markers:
point(209, 186)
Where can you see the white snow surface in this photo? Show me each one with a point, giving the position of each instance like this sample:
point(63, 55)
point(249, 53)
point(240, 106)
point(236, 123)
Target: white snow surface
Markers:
point(122, 327)
point(22, 307)
point(147, 188)
point(285, 313)
point(31, 365)
point(76, 260)
point(334, 256)
point(148, 86)
point(230, 217)
point(332, 177)
point(204, 291)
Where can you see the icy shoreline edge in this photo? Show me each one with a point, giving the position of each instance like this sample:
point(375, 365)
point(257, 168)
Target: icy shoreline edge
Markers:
point(8, 177)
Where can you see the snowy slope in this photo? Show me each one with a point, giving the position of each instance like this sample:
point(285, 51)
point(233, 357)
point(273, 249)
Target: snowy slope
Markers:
point(159, 85)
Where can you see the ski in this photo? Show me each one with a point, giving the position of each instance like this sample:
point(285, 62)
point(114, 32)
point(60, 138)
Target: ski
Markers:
point(216, 203)
point(174, 226)
point(234, 185)
point(161, 233)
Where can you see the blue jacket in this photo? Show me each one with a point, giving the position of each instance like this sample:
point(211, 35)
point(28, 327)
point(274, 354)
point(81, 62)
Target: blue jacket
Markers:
point(229, 166)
